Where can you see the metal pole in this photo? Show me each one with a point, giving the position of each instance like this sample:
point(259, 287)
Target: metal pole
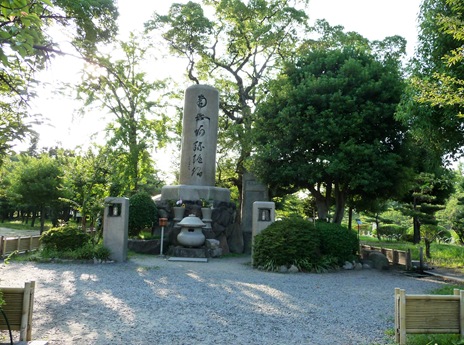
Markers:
point(162, 241)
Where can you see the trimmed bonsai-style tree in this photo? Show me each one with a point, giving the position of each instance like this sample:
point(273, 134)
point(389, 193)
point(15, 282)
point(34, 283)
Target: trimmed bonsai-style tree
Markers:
point(142, 213)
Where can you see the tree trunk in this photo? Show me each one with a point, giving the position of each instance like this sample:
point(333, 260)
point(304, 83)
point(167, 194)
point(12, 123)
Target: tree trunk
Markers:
point(42, 219)
point(322, 201)
point(34, 216)
point(377, 225)
point(340, 201)
point(427, 248)
point(350, 218)
point(416, 226)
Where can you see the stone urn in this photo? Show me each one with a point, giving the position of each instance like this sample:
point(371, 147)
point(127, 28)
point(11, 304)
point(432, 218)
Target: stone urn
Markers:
point(191, 232)
point(178, 215)
point(206, 214)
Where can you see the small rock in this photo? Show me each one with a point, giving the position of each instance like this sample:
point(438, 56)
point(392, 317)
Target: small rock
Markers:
point(366, 266)
point(358, 266)
point(212, 243)
point(348, 265)
point(283, 269)
point(293, 269)
point(215, 253)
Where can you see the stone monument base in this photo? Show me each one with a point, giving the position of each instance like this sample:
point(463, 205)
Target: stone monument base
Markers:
point(183, 252)
point(187, 192)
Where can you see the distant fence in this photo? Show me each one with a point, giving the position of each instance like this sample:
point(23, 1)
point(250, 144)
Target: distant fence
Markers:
point(395, 257)
point(9, 245)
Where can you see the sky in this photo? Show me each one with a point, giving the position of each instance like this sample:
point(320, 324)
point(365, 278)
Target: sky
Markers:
point(374, 19)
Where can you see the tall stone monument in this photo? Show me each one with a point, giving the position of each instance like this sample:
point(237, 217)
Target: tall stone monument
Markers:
point(198, 149)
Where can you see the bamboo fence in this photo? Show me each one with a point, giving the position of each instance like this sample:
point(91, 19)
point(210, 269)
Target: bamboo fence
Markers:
point(18, 308)
point(428, 314)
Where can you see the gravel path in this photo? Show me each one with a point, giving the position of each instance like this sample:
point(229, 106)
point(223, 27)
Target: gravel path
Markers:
point(149, 300)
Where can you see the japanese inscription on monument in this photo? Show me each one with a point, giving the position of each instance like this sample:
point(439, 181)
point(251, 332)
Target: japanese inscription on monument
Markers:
point(199, 136)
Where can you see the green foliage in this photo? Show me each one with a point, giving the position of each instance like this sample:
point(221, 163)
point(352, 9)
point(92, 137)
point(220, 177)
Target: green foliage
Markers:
point(433, 100)
point(294, 241)
point(328, 120)
point(127, 92)
point(391, 231)
point(36, 183)
point(337, 241)
point(2, 301)
point(142, 213)
point(64, 238)
point(290, 205)
point(408, 237)
point(286, 242)
point(26, 45)
point(85, 181)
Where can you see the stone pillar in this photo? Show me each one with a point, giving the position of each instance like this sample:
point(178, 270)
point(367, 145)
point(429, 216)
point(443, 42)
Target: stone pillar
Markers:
point(199, 136)
point(116, 227)
point(252, 190)
point(263, 216)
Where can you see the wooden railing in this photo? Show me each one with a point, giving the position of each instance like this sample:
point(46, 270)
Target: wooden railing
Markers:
point(428, 314)
point(9, 245)
point(395, 257)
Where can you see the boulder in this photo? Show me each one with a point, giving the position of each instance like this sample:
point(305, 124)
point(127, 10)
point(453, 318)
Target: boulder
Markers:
point(379, 260)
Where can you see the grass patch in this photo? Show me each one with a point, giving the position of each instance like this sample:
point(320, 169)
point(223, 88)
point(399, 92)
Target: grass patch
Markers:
point(18, 225)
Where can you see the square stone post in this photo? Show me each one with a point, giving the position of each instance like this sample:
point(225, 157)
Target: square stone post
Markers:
point(116, 227)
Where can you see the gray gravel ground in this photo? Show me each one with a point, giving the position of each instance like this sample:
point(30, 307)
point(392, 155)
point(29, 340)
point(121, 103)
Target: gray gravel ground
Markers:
point(149, 300)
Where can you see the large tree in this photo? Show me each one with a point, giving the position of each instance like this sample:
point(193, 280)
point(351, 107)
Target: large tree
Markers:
point(236, 46)
point(434, 99)
point(36, 183)
point(119, 86)
point(29, 39)
point(328, 126)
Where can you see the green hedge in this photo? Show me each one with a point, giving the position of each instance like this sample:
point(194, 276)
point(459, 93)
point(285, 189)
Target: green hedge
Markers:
point(391, 231)
point(284, 242)
point(295, 241)
point(338, 242)
point(64, 238)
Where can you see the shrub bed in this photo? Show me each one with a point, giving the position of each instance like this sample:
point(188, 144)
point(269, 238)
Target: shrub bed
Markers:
point(309, 247)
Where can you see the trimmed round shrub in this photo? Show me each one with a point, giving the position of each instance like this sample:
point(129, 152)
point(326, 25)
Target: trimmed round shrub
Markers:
point(286, 242)
point(142, 213)
point(408, 238)
point(64, 238)
point(337, 241)
point(391, 231)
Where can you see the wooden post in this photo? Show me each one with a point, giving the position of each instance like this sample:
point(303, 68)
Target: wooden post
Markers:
point(31, 309)
point(402, 312)
point(1, 246)
point(408, 260)
point(397, 321)
point(461, 311)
